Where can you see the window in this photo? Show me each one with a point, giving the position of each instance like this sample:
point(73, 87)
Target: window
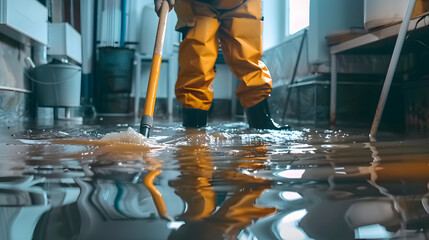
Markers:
point(297, 15)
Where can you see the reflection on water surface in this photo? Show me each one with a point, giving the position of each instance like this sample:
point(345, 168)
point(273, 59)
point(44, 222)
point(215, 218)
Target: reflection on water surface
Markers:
point(223, 182)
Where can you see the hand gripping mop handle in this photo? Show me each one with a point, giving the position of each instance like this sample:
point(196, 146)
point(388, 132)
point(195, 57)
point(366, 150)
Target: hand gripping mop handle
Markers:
point(147, 118)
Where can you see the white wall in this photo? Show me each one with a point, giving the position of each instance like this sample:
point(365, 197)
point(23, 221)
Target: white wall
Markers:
point(274, 31)
point(135, 16)
point(330, 16)
point(326, 16)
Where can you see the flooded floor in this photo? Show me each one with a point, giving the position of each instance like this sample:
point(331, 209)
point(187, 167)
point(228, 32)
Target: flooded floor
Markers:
point(223, 182)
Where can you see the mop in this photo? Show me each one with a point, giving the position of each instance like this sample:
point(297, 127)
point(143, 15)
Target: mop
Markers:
point(147, 118)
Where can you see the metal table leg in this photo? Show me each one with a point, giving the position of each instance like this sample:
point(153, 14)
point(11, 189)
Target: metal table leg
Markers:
point(67, 113)
point(137, 85)
point(172, 75)
point(392, 67)
point(333, 114)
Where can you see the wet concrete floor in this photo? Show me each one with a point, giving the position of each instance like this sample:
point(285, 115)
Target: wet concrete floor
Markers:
point(223, 182)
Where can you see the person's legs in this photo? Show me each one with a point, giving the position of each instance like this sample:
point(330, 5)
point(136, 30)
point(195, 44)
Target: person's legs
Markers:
point(241, 40)
point(197, 57)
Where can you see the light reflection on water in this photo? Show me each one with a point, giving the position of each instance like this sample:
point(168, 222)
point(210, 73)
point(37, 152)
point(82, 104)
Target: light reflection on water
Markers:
point(224, 182)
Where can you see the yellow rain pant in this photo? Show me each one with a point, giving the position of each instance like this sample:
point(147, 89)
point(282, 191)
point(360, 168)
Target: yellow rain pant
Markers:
point(239, 32)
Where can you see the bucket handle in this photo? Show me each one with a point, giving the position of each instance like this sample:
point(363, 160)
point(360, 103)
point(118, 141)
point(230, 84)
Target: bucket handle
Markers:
point(53, 83)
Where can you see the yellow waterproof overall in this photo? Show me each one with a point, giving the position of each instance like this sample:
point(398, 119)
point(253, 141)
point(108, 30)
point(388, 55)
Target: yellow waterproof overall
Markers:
point(237, 26)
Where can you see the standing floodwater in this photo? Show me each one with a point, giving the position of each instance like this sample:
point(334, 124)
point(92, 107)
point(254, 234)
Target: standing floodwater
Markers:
point(223, 182)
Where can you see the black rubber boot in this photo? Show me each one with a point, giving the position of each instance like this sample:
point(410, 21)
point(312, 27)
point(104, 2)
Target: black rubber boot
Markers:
point(259, 117)
point(194, 118)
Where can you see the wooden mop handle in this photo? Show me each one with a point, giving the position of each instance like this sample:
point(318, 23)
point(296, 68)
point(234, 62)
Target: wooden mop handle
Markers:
point(147, 119)
point(156, 61)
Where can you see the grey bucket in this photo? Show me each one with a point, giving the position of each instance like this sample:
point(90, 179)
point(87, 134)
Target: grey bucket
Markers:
point(57, 85)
